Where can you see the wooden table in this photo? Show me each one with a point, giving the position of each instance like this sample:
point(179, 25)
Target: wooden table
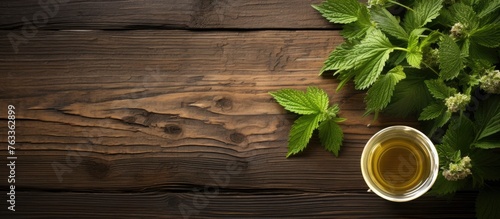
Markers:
point(139, 109)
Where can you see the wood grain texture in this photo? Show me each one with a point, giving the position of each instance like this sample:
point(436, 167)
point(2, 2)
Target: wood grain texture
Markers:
point(234, 204)
point(167, 14)
point(122, 111)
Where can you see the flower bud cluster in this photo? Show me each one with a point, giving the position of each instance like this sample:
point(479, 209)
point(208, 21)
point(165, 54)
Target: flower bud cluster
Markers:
point(458, 170)
point(490, 82)
point(457, 102)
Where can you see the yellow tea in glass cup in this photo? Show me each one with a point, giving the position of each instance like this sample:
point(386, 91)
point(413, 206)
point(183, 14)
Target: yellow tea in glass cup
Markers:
point(399, 163)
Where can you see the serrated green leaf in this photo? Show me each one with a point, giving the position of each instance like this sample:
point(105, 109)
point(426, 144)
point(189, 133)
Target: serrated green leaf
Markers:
point(487, 203)
point(432, 111)
point(379, 95)
point(358, 29)
point(339, 11)
point(450, 61)
point(488, 143)
point(331, 136)
point(492, 6)
point(460, 134)
point(297, 101)
point(485, 166)
point(414, 54)
point(438, 89)
point(333, 110)
point(339, 58)
point(370, 56)
point(318, 97)
point(430, 39)
point(423, 12)
point(488, 117)
point(388, 23)
point(301, 132)
point(440, 121)
point(488, 35)
point(445, 152)
point(464, 14)
point(410, 95)
point(444, 187)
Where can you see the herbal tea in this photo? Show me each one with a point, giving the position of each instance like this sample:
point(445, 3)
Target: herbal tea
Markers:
point(398, 165)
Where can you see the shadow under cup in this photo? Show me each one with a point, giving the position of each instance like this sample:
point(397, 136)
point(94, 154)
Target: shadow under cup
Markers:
point(399, 163)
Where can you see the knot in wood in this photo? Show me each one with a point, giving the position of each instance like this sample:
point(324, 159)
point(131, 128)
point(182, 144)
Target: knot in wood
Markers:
point(237, 137)
point(173, 129)
point(223, 103)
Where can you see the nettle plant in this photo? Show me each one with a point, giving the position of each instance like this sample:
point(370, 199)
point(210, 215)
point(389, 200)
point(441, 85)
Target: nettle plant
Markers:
point(435, 59)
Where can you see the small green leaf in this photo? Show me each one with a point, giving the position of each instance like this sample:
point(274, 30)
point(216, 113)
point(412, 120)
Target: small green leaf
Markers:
point(485, 166)
point(388, 23)
point(439, 90)
point(432, 111)
point(379, 95)
point(487, 203)
point(339, 11)
point(313, 101)
point(358, 29)
point(331, 136)
point(488, 117)
point(444, 187)
point(338, 58)
point(301, 132)
point(414, 54)
point(487, 143)
point(423, 12)
point(492, 6)
point(450, 61)
point(488, 35)
point(460, 134)
point(410, 95)
point(370, 56)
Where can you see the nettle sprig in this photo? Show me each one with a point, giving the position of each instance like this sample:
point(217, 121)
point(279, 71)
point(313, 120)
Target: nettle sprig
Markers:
point(313, 106)
point(430, 60)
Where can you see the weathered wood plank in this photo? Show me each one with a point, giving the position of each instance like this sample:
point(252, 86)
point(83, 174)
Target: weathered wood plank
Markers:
point(114, 111)
point(224, 204)
point(130, 14)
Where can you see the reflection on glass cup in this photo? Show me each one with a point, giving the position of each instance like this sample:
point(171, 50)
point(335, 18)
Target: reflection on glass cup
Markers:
point(399, 163)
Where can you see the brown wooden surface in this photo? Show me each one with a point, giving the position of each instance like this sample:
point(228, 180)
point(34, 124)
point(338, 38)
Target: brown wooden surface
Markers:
point(140, 122)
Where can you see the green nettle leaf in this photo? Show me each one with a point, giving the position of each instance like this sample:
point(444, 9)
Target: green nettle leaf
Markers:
point(301, 132)
point(488, 35)
point(432, 111)
point(331, 136)
point(460, 134)
point(464, 14)
point(379, 95)
point(488, 117)
point(359, 28)
point(490, 142)
point(297, 101)
point(388, 23)
point(370, 56)
point(487, 203)
point(450, 61)
point(313, 105)
point(338, 58)
point(444, 187)
point(485, 166)
point(318, 98)
point(493, 5)
point(414, 54)
point(410, 95)
point(423, 12)
point(340, 11)
point(439, 90)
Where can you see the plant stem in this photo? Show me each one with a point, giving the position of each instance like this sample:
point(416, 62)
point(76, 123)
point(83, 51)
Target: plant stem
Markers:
point(401, 49)
point(397, 3)
point(428, 66)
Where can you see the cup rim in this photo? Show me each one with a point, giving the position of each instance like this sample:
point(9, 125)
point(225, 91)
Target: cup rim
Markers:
point(428, 146)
